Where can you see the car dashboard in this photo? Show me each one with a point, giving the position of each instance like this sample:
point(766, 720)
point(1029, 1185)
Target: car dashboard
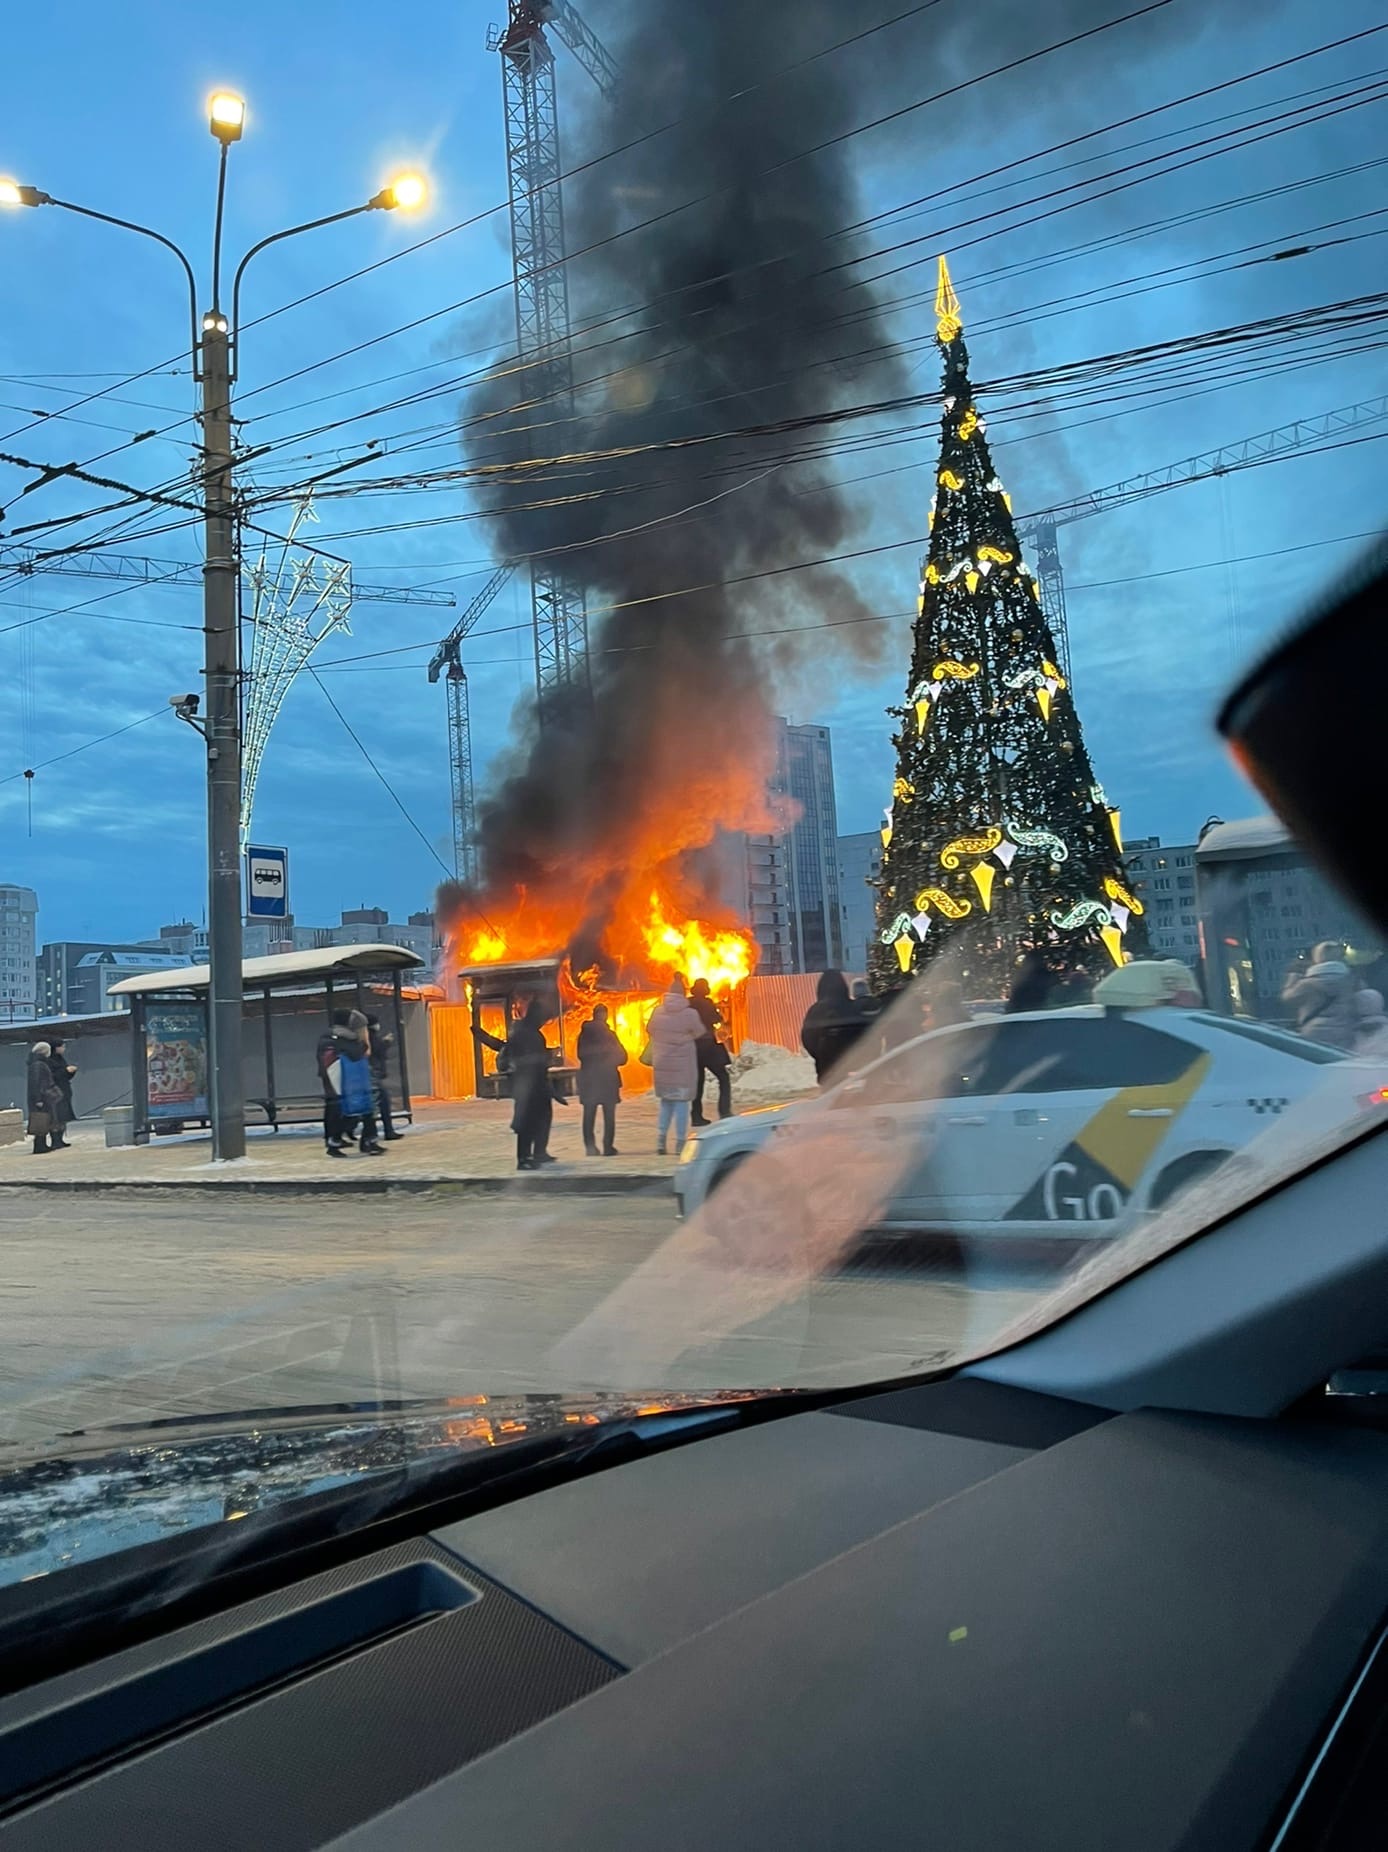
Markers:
point(960, 1614)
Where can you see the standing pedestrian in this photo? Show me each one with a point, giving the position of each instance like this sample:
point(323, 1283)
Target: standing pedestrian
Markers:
point(62, 1080)
point(601, 1057)
point(943, 1006)
point(381, 1044)
point(345, 1071)
point(525, 1057)
point(833, 1023)
point(672, 1033)
point(1321, 994)
point(874, 1042)
point(44, 1100)
point(1033, 985)
point(713, 1056)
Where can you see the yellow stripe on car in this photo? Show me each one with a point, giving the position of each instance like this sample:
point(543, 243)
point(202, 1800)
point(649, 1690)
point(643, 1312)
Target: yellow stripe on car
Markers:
point(1123, 1145)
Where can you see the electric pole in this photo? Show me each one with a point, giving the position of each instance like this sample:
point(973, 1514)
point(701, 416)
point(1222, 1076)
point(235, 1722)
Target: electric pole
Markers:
point(222, 668)
point(213, 357)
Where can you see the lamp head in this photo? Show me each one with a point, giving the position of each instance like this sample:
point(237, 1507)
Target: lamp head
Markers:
point(226, 116)
point(13, 194)
point(406, 193)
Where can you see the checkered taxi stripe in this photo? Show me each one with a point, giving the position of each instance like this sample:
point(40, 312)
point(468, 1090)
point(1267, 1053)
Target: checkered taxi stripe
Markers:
point(1267, 1104)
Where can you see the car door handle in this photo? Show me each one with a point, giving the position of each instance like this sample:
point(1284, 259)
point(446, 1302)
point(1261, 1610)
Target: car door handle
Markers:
point(975, 1118)
point(1150, 1112)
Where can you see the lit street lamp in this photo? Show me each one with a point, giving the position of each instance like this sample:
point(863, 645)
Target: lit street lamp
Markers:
point(213, 340)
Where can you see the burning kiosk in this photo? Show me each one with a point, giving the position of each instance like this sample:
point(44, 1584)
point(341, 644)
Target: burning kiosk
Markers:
point(497, 995)
point(498, 984)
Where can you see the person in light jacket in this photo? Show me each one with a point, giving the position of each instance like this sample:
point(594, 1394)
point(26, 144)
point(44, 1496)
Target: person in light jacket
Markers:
point(673, 1031)
point(1322, 997)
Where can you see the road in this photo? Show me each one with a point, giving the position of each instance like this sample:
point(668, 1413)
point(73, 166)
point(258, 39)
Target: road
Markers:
point(125, 1308)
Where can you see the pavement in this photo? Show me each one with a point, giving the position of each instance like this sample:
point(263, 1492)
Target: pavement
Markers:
point(130, 1306)
point(460, 1147)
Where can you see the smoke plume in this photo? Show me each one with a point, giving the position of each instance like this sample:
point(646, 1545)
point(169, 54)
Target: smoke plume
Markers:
point(712, 288)
point(716, 316)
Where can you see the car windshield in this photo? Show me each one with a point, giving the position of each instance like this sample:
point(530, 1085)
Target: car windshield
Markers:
point(607, 647)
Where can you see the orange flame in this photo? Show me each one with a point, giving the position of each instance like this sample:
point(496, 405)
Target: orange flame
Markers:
point(644, 945)
point(724, 958)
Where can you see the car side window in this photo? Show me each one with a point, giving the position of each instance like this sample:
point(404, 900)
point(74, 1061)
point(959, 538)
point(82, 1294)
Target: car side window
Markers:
point(1074, 1054)
point(940, 1067)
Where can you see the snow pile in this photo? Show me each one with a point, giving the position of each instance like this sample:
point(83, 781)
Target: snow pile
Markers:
point(765, 1075)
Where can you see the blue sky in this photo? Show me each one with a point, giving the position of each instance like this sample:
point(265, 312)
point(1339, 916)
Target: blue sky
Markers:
point(339, 99)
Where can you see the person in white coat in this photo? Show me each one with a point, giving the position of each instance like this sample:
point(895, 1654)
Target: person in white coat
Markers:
point(672, 1032)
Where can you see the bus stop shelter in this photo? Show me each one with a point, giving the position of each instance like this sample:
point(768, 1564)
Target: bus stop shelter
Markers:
point(287, 1002)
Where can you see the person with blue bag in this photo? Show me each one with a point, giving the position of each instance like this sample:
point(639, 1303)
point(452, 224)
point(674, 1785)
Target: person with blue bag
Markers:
point(348, 1097)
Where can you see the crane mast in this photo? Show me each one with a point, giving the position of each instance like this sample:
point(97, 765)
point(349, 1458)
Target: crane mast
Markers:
point(448, 662)
point(559, 610)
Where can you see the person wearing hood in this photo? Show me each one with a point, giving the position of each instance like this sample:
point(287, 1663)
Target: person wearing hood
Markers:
point(1322, 997)
point(601, 1058)
point(1033, 986)
point(62, 1080)
point(45, 1101)
point(833, 1023)
point(672, 1035)
point(345, 1072)
point(525, 1056)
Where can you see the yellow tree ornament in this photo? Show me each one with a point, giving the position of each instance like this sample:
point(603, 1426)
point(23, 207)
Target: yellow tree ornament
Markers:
point(982, 843)
point(1116, 891)
point(983, 874)
point(943, 903)
point(1113, 939)
point(948, 321)
point(905, 945)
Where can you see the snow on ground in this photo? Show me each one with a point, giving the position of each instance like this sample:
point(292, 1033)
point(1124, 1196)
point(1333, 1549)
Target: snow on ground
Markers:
point(762, 1075)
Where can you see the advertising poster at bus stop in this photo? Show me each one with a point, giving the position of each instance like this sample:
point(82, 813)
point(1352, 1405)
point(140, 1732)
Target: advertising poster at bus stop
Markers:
point(176, 1062)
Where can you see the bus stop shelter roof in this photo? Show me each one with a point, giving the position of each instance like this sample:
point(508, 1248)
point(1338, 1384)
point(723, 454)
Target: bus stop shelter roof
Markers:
point(1244, 839)
point(284, 969)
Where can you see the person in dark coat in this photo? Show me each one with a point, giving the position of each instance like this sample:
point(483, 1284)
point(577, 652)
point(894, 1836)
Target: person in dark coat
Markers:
point(524, 1055)
point(833, 1024)
point(62, 1080)
point(379, 1058)
point(344, 1069)
point(44, 1099)
point(1034, 985)
point(713, 1056)
point(601, 1057)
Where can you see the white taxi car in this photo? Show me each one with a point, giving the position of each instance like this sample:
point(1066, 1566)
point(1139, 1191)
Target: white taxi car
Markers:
point(1065, 1123)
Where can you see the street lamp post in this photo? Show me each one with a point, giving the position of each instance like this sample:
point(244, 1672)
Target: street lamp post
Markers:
point(214, 356)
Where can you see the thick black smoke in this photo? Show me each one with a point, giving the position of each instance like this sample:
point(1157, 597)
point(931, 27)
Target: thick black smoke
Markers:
point(733, 316)
point(721, 294)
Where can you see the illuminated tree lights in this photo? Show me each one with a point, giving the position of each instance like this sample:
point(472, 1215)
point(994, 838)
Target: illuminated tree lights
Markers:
point(998, 839)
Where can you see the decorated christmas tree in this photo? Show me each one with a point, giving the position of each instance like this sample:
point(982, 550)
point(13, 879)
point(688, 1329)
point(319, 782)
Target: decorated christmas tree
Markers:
point(998, 839)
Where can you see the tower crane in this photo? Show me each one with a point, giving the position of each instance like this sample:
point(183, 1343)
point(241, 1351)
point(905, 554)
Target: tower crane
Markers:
point(132, 569)
point(559, 611)
point(1040, 529)
point(448, 661)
